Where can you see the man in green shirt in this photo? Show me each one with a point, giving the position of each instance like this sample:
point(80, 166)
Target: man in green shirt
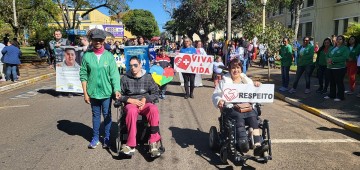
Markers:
point(286, 58)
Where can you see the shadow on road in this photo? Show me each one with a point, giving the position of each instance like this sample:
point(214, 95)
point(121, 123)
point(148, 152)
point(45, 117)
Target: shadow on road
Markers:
point(51, 92)
point(341, 131)
point(356, 153)
point(75, 128)
point(199, 139)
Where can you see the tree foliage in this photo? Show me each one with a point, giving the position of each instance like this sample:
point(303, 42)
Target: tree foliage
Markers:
point(353, 30)
point(70, 20)
point(198, 16)
point(141, 23)
point(27, 16)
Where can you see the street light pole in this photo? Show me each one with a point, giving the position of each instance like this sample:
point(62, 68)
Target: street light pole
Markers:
point(228, 29)
point(263, 2)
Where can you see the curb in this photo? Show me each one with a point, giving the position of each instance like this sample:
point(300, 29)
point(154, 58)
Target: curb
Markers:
point(319, 113)
point(25, 82)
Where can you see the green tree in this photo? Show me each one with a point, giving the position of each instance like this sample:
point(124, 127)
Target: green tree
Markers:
point(27, 16)
point(141, 23)
point(199, 16)
point(353, 30)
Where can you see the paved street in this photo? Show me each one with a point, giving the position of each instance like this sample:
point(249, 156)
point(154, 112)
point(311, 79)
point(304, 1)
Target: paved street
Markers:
point(40, 131)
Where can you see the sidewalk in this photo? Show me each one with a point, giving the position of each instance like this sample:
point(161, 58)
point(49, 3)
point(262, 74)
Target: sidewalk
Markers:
point(347, 110)
point(29, 73)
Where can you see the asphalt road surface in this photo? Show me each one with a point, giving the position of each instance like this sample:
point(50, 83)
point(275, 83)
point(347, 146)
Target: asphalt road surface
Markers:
point(40, 131)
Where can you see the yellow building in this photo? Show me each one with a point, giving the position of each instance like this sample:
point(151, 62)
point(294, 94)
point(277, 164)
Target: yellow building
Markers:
point(321, 18)
point(96, 19)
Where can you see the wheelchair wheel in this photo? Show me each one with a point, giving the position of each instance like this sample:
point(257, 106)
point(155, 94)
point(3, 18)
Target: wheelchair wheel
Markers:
point(224, 154)
point(214, 140)
point(118, 138)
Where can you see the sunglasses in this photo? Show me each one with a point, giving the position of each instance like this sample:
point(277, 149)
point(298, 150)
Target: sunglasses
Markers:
point(134, 65)
point(306, 40)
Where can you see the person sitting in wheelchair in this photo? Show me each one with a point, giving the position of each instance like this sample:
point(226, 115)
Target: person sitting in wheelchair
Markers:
point(237, 112)
point(139, 92)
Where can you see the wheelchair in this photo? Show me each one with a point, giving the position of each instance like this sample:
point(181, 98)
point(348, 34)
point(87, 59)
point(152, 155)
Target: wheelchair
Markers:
point(225, 141)
point(143, 129)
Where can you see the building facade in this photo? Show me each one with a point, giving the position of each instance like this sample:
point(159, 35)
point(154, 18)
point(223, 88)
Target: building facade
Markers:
point(96, 19)
point(321, 18)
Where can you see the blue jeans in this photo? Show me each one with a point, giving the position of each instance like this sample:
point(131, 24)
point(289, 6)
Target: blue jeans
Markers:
point(300, 70)
point(98, 106)
point(11, 69)
point(42, 53)
point(244, 64)
point(285, 76)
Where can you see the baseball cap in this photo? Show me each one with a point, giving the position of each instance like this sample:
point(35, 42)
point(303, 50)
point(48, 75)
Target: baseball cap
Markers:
point(97, 33)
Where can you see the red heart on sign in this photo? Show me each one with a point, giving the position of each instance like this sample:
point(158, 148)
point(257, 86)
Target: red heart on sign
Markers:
point(230, 94)
point(183, 62)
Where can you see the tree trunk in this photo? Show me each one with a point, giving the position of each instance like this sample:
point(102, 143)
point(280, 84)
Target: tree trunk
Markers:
point(297, 12)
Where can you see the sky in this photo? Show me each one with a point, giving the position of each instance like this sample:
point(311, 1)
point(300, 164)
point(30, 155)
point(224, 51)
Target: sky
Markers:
point(154, 6)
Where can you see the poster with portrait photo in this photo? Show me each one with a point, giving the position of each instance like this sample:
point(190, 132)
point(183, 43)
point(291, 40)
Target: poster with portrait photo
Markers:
point(67, 72)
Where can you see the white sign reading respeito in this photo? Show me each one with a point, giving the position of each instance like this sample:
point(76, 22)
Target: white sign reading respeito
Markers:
point(235, 93)
point(194, 63)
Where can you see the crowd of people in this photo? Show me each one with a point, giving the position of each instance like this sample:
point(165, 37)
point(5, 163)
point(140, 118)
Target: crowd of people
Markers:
point(100, 75)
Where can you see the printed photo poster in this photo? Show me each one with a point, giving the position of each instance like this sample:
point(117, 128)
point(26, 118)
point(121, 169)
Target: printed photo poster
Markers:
point(142, 52)
point(235, 93)
point(67, 71)
point(194, 63)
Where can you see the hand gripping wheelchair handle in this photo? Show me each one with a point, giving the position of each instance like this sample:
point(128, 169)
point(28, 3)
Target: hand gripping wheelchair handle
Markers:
point(117, 103)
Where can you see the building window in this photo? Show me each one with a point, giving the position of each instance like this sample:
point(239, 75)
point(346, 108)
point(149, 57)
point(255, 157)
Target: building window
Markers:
point(346, 24)
point(337, 1)
point(336, 30)
point(300, 30)
point(356, 19)
point(308, 29)
point(310, 3)
point(281, 8)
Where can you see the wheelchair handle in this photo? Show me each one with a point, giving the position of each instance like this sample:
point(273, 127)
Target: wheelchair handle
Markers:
point(117, 103)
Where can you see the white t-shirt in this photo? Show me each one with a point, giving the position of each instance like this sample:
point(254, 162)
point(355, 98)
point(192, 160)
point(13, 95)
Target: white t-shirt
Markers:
point(218, 70)
point(98, 57)
point(240, 52)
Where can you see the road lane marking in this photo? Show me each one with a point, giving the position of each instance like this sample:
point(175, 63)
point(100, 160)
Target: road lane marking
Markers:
point(6, 107)
point(314, 141)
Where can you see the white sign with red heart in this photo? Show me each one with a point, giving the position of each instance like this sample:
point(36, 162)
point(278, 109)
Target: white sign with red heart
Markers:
point(194, 63)
point(235, 93)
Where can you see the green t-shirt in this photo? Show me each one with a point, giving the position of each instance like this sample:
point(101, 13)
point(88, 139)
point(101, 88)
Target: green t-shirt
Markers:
point(286, 55)
point(354, 52)
point(338, 56)
point(322, 57)
point(306, 55)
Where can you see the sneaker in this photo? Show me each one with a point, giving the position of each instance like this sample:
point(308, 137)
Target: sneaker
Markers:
point(259, 150)
point(186, 96)
point(326, 97)
point(349, 92)
point(93, 144)
point(106, 144)
point(337, 100)
point(163, 96)
point(127, 150)
point(307, 91)
point(192, 96)
point(292, 90)
point(283, 89)
point(154, 150)
point(70, 95)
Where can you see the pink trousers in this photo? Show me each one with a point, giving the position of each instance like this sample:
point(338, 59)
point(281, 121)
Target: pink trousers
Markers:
point(152, 114)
